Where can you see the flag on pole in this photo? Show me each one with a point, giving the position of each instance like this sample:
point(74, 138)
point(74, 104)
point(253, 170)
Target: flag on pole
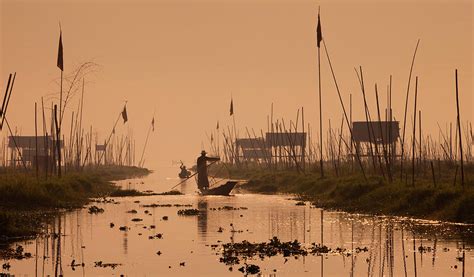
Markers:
point(60, 52)
point(153, 124)
point(319, 32)
point(124, 114)
point(231, 106)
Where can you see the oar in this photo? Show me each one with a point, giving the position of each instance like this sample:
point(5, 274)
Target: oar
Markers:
point(187, 178)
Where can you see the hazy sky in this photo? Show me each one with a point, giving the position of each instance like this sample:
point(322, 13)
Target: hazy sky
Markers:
point(184, 59)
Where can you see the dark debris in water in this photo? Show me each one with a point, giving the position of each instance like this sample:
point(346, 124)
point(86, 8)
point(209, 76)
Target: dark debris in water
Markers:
point(228, 208)
point(14, 253)
point(250, 269)
point(123, 228)
point(105, 265)
point(106, 201)
point(232, 253)
point(157, 236)
point(187, 212)
point(171, 192)
point(136, 219)
point(155, 205)
point(132, 211)
point(5, 266)
point(95, 210)
point(247, 249)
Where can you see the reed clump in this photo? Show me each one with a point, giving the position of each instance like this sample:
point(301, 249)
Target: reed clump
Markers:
point(27, 202)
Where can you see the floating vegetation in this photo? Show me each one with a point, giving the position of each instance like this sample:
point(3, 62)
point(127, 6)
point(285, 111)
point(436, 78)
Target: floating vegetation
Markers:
point(228, 208)
point(14, 253)
point(105, 201)
point(130, 192)
point(132, 212)
point(250, 269)
point(424, 249)
point(165, 217)
point(104, 265)
point(123, 228)
point(157, 236)
point(154, 205)
point(136, 219)
point(188, 212)
point(318, 249)
point(171, 192)
point(247, 249)
point(233, 252)
point(95, 210)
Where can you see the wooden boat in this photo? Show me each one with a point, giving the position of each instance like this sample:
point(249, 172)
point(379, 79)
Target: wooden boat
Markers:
point(224, 189)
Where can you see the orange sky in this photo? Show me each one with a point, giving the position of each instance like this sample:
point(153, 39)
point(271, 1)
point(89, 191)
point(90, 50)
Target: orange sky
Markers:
point(186, 58)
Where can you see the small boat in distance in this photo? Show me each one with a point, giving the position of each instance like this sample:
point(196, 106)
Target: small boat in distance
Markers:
point(224, 189)
point(184, 173)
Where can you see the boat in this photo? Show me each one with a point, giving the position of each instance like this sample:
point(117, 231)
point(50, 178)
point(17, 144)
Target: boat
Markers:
point(184, 174)
point(224, 189)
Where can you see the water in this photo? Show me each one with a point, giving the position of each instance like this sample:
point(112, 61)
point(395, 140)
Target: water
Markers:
point(88, 238)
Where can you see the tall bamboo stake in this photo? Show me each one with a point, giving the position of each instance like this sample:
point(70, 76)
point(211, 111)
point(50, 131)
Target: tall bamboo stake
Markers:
point(344, 110)
point(320, 100)
point(405, 116)
point(459, 128)
point(36, 141)
point(414, 134)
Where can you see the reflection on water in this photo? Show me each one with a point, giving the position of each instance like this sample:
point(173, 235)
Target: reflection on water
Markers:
point(395, 247)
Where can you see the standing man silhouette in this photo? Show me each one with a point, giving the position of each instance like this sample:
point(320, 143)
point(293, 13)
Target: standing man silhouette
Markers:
point(203, 181)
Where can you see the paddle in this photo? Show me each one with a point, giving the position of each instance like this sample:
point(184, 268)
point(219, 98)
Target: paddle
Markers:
point(187, 178)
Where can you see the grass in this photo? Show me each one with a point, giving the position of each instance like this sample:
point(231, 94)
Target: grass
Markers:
point(26, 203)
point(351, 192)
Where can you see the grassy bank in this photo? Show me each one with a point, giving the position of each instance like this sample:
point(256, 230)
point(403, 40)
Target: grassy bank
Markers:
point(26, 203)
point(352, 193)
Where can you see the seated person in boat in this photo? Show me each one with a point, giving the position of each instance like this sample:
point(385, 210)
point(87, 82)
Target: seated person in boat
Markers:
point(203, 181)
point(184, 171)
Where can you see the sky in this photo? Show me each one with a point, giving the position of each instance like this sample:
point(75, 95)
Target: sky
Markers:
point(183, 60)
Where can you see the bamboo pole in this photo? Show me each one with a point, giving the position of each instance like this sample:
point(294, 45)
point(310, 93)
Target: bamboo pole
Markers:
point(459, 128)
point(344, 110)
point(414, 134)
point(36, 142)
point(405, 116)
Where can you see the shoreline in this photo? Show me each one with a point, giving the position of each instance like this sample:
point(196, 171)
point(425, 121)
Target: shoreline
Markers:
point(351, 193)
point(28, 204)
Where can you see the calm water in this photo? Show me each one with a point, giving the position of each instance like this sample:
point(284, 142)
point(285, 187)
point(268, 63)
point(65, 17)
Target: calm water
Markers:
point(89, 238)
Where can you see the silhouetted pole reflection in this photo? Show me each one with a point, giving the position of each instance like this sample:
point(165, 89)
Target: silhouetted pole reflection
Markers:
point(463, 256)
point(403, 254)
point(352, 247)
point(434, 250)
point(414, 252)
point(58, 270)
point(322, 242)
point(202, 217)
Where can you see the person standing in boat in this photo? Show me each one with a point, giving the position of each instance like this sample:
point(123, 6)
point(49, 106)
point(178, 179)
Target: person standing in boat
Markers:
point(202, 180)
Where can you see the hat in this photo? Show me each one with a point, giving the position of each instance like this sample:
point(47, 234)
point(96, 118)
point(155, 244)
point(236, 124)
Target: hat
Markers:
point(203, 152)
